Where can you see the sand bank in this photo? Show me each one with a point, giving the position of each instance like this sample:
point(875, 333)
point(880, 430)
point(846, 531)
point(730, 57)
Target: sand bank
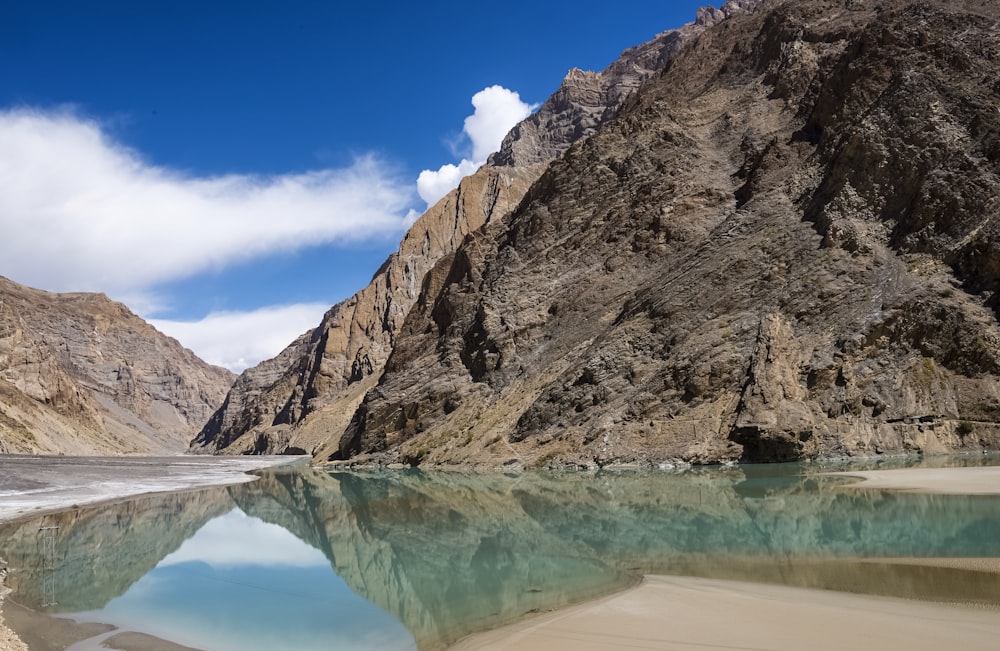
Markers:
point(9, 641)
point(661, 613)
point(947, 481)
point(680, 613)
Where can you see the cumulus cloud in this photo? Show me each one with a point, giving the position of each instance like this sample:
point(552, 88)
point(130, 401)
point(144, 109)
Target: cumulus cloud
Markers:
point(239, 340)
point(497, 111)
point(433, 185)
point(80, 211)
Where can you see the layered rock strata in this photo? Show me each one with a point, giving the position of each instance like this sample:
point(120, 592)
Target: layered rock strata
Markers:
point(782, 247)
point(81, 374)
point(302, 400)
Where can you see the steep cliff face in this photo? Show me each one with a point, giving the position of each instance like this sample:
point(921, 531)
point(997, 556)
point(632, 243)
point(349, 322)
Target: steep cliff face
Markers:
point(303, 399)
point(81, 374)
point(585, 100)
point(293, 402)
point(784, 246)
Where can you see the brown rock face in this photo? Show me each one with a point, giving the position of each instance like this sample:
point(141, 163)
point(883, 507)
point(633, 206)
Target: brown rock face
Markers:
point(80, 374)
point(302, 400)
point(293, 402)
point(586, 100)
point(784, 246)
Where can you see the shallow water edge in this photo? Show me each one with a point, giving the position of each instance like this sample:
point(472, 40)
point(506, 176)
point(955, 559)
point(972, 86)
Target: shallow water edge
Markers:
point(430, 557)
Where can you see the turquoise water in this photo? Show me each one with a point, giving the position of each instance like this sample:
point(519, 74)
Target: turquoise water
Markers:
point(309, 559)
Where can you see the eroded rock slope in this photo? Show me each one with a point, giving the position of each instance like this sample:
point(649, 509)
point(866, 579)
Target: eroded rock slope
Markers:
point(81, 374)
point(784, 246)
point(302, 400)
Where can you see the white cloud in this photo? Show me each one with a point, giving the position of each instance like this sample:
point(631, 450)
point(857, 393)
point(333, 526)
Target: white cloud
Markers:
point(79, 211)
point(411, 217)
point(497, 111)
point(431, 186)
point(238, 340)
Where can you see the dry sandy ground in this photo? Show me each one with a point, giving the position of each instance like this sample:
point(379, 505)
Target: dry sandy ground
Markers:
point(949, 481)
point(9, 641)
point(681, 613)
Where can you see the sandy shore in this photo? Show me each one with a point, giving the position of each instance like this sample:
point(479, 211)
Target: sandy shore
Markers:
point(9, 641)
point(661, 613)
point(680, 613)
point(948, 481)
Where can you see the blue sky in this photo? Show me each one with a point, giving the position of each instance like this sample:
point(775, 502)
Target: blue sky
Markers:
point(231, 169)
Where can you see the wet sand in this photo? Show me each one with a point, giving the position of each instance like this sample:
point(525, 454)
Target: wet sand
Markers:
point(661, 613)
point(681, 613)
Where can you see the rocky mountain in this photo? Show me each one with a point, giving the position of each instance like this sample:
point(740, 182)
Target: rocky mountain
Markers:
point(778, 245)
point(81, 374)
point(301, 400)
point(783, 246)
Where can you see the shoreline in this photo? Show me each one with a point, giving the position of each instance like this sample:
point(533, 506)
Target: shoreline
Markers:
point(975, 480)
point(683, 612)
point(44, 485)
point(31, 486)
point(9, 640)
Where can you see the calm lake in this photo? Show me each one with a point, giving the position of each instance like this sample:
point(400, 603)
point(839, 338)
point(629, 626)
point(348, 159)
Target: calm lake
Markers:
point(310, 559)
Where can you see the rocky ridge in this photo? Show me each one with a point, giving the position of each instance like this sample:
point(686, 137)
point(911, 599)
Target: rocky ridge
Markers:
point(81, 374)
point(781, 247)
point(301, 400)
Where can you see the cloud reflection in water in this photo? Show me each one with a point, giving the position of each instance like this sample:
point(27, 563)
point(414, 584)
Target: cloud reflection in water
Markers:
point(242, 584)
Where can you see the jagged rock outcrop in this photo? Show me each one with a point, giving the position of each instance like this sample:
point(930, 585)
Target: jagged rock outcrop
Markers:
point(81, 374)
point(585, 100)
point(303, 399)
point(784, 246)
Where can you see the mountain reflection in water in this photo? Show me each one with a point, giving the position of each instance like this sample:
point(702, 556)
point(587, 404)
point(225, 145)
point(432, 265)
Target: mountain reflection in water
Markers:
point(342, 557)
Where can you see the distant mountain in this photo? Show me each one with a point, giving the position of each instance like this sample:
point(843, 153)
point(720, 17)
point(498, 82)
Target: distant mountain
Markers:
point(81, 374)
point(302, 400)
